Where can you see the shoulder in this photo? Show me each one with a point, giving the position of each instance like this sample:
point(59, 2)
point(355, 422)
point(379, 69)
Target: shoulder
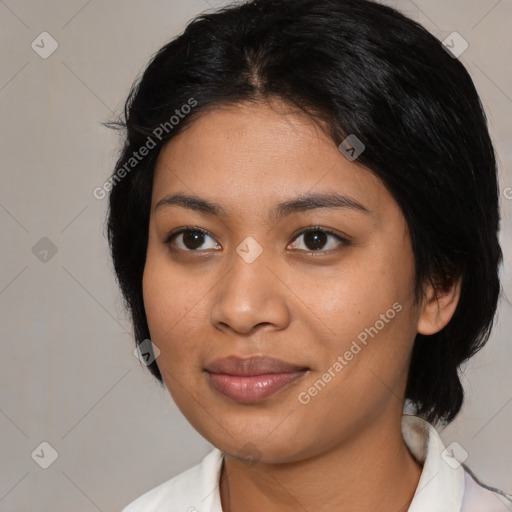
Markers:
point(195, 489)
point(479, 497)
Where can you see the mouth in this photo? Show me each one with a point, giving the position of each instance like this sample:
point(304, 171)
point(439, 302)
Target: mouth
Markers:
point(253, 379)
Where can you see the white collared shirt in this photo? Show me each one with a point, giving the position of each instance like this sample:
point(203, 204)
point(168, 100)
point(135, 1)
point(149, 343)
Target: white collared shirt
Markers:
point(444, 486)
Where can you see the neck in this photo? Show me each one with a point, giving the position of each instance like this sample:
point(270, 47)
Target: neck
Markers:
point(371, 469)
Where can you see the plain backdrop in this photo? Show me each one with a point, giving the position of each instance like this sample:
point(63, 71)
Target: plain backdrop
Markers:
point(69, 377)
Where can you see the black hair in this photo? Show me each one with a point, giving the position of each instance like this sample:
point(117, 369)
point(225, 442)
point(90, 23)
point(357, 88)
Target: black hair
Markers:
point(358, 68)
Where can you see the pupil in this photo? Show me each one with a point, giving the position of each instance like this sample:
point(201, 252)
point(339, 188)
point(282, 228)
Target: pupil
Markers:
point(193, 239)
point(319, 238)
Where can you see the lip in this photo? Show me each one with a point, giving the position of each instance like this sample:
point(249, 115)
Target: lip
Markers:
point(254, 365)
point(253, 379)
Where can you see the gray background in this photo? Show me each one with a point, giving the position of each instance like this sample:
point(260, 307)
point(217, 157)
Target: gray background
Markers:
point(68, 373)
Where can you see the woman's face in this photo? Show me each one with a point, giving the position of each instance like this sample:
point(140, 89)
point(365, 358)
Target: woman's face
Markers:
point(339, 311)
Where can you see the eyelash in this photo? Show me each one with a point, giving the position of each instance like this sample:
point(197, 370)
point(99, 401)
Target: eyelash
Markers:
point(343, 241)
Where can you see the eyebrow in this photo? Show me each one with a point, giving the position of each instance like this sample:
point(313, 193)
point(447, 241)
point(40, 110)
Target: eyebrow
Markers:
point(300, 204)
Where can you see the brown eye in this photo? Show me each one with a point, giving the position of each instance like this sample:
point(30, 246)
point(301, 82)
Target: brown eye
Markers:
point(315, 240)
point(192, 239)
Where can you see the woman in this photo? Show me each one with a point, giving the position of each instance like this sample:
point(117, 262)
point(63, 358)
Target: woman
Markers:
point(303, 223)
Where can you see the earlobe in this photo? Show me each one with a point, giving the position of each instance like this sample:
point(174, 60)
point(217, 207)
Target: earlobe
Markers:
point(438, 306)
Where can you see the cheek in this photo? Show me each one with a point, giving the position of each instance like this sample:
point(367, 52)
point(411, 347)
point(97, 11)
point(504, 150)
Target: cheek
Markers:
point(353, 295)
point(173, 306)
point(170, 295)
point(172, 309)
point(368, 307)
point(159, 304)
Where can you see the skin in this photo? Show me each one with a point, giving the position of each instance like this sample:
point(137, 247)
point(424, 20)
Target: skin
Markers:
point(344, 449)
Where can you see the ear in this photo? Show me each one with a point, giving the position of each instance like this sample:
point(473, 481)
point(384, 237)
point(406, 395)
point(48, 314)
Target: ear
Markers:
point(438, 306)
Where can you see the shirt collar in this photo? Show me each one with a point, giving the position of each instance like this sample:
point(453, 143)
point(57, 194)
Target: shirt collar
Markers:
point(441, 484)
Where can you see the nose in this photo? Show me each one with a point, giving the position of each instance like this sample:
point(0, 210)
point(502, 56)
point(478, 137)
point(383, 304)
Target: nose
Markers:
point(251, 295)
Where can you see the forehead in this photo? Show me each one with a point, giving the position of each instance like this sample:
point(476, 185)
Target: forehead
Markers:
point(258, 154)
